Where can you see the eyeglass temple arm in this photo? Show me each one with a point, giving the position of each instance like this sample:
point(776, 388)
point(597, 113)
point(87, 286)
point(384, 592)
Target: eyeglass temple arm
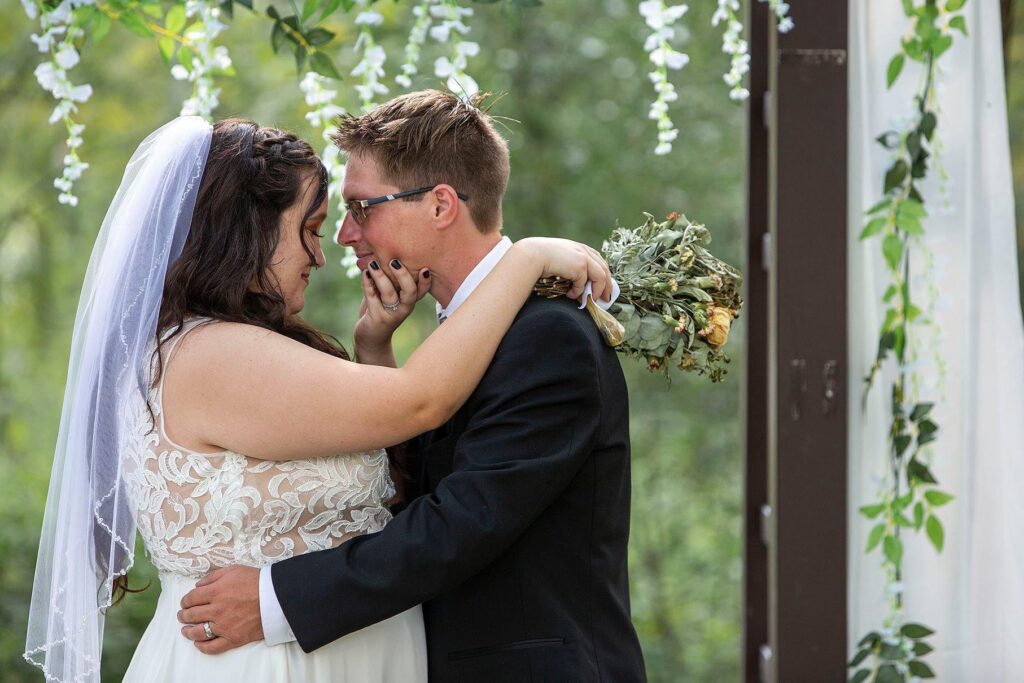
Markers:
point(408, 193)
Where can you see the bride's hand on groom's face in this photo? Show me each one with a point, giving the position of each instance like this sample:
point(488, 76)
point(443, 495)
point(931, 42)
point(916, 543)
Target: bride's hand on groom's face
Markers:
point(390, 293)
point(228, 599)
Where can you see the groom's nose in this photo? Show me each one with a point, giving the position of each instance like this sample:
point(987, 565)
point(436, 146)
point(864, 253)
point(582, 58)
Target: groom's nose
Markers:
point(349, 233)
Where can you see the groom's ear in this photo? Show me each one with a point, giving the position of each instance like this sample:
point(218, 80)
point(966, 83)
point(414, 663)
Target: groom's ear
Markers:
point(445, 205)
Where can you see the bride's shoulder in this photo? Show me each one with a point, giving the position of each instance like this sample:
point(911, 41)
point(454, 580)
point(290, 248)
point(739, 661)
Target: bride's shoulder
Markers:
point(219, 347)
point(223, 337)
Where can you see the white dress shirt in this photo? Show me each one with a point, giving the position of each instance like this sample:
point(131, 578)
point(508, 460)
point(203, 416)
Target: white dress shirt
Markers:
point(475, 277)
point(275, 627)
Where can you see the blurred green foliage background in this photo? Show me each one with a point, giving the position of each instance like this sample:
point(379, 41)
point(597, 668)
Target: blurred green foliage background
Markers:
point(576, 108)
point(1013, 59)
point(577, 97)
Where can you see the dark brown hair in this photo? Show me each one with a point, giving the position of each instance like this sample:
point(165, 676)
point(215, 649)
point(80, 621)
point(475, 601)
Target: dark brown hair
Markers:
point(252, 175)
point(429, 137)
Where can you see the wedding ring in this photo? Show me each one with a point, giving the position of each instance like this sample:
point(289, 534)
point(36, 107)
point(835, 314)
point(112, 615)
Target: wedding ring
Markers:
point(391, 307)
point(208, 631)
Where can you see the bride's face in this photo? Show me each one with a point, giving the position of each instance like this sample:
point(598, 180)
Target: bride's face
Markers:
point(290, 265)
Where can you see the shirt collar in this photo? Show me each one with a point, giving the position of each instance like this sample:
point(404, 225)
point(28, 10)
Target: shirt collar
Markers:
point(475, 277)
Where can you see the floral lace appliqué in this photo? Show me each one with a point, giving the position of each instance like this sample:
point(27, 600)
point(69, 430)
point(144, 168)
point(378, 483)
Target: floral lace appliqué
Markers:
point(199, 511)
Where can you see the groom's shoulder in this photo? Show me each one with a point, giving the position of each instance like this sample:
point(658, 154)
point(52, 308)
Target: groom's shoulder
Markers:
point(550, 338)
point(560, 310)
point(547, 322)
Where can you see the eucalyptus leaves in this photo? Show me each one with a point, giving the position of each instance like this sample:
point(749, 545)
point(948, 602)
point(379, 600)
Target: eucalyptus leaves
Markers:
point(678, 300)
point(911, 496)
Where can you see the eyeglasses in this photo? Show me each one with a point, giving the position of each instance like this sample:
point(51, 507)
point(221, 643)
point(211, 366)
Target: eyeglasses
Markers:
point(359, 208)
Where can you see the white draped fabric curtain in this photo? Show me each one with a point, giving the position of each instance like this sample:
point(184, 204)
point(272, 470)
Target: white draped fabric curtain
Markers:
point(971, 363)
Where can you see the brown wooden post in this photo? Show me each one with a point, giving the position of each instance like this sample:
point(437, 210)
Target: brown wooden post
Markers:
point(802, 200)
point(755, 400)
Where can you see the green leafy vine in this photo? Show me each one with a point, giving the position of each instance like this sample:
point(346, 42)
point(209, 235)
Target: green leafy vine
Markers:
point(909, 502)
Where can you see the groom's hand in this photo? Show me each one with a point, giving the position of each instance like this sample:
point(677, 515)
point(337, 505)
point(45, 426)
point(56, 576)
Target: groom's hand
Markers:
point(229, 600)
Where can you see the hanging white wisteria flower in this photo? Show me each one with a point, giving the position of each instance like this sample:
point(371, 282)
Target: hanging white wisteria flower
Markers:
point(734, 46)
point(57, 39)
point(370, 68)
point(781, 11)
point(660, 17)
point(207, 59)
point(417, 37)
point(189, 29)
point(322, 114)
point(449, 29)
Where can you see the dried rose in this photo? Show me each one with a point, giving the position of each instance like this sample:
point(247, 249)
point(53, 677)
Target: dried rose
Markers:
point(716, 334)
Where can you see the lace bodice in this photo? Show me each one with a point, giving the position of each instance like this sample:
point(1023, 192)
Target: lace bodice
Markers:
point(199, 511)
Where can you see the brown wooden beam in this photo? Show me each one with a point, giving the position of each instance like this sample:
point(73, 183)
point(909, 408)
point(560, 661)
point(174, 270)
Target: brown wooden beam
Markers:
point(807, 346)
point(755, 399)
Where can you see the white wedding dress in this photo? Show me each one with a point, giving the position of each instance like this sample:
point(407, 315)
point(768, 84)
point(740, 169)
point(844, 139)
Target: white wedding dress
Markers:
point(200, 511)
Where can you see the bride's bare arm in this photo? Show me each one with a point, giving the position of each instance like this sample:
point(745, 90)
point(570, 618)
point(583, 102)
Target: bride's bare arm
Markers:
point(246, 389)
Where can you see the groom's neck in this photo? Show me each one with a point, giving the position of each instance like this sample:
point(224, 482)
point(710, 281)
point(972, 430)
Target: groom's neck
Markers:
point(458, 263)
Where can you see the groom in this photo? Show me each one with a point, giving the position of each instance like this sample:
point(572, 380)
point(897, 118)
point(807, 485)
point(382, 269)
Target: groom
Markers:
point(514, 536)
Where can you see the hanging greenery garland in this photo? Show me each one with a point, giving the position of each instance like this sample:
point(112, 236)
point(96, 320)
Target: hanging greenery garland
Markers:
point(909, 501)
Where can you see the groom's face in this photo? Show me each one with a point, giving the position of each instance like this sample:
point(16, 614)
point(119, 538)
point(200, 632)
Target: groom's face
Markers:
point(396, 229)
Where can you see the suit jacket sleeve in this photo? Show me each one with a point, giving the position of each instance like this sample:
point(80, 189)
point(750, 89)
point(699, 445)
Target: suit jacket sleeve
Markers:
point(533, 420)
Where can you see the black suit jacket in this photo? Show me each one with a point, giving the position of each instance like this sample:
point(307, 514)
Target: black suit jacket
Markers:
point(517, 544)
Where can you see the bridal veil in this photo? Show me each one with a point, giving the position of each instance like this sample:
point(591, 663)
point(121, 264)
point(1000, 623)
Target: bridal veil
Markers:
point(88, 533)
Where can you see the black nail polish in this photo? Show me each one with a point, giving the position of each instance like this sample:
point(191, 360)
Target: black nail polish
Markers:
point(395, 264)
point(368, 276)
point(373, 264)
point(426, 274)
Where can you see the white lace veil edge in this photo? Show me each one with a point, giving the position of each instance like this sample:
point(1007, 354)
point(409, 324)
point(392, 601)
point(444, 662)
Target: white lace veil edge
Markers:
point(88, 533)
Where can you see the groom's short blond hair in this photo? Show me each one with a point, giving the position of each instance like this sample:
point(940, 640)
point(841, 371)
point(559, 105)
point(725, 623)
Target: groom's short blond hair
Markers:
point(429, 137)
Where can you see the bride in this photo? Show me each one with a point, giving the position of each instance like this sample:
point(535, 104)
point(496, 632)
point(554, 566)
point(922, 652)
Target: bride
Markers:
point(205, 254)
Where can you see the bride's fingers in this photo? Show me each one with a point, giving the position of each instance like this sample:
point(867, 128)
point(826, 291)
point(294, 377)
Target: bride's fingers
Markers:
point(385, 288)
point(579, 283)
point(594, 253)
point(580, 276)
point(370, 294)
point(423, 284)
point(406, 283)
point(599, 274)
point(593, 269)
